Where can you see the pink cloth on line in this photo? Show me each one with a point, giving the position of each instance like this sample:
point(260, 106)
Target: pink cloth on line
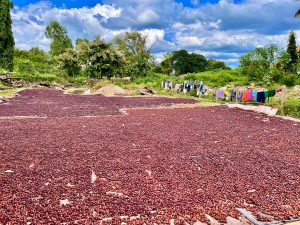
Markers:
point(249, 96)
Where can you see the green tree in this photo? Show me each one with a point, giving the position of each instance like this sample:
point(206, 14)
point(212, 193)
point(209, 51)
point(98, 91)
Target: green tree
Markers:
point(38, 55)
point(297, 13)
point(33, 62)
point(216, 65)
point(104, 59)
point(7, 42)
point(82, 49)
point(261, 64)
point(166, 66)
point(292, 51)
point(136, 49)
point(69, 62)
point(182, 62)
point(60, 40)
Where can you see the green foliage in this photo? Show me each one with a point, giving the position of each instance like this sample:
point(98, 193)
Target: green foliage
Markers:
point(292, 51)
point(219, 78)
point(79, 79)
point(210, 78)
point(32, 62)
point(152, 80)
point(182, 62)
point(60, 40)
point(26, 67)
point(292, 107)
point(216, 65)
point(166, 65)
point(259, 64)
point(69, 62)
point(7, 42)
point(104, 59)
point(289, 80)
point(82, 49)
point(134, 46)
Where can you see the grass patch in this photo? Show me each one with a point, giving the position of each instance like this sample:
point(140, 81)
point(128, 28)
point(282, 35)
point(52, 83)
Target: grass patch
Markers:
point(10, 93)
point(292, 107)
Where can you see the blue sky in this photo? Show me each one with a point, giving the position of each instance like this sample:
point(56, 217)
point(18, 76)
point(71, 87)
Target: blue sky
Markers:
point(92, 3)
point(219, 29)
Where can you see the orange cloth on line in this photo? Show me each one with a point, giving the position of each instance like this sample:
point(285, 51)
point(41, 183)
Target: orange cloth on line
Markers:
point(244, 96)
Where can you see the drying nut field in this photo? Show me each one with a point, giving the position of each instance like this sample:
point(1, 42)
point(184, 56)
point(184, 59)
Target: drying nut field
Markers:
point(73, 159)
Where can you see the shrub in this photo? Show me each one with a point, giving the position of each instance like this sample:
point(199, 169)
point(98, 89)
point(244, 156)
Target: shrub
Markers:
point(292, 108)
point(289, 80)
point(26, 68)
point(219, 78)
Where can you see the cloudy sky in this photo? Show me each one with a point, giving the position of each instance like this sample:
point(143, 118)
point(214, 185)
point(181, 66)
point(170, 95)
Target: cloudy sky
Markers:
point(219, 29)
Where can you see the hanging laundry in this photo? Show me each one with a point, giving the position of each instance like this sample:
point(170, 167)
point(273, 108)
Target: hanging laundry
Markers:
point(272, 93)
point(181, 88)
point(266, 95)
point(226, 95)
point(188, 87)
point(261, 97)
point(170, 85)
point(269, 94)
point(214, 92)
point(239, 96)
point(232, 95)
point(249, 96)
point(220, 94)
point(205, 90)
point(244, 96)
point(177, 87)
point(201, 87)
point(254, 94)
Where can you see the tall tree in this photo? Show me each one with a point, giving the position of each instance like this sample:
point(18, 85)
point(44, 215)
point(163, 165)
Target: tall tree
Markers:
point(182, 62)
point(259, 64)
point(7, 42)
point(82, 48)
point(60, 40)
point(136, 48)
point(292, 51)
point(104, 59)
point(297, 13)
point(69, 62)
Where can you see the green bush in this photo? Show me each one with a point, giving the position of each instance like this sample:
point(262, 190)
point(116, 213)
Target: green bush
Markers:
point(290, 80)
point(80, 79)
point(219, 78)
point(39, 78)
point(292, 108)
point(26, 67)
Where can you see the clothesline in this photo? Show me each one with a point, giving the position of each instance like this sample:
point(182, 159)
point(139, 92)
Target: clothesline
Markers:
point(233, 96)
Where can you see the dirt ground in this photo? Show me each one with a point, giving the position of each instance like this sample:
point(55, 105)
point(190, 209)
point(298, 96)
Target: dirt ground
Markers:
point(92, 164)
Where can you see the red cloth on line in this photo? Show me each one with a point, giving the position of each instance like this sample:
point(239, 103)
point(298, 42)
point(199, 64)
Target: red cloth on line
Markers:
point(249, 96)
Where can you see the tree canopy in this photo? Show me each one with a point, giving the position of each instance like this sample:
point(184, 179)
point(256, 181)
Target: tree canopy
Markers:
point(104, 59)
point(60, 40)
point(182, 62)
point(7, 42)
point(292, 51)
point(136, 49)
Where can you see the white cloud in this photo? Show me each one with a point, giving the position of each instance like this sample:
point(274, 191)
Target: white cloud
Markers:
point(188, 41)
point(224, 27)
point(153, 35)
point(29, 23)
point(148, 16)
